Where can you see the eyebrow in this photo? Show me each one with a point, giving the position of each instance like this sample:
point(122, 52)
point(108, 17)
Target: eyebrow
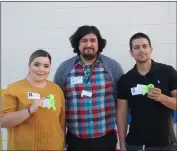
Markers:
point(88, 38)
point(140, 45)
point(136, 45)
point(40, 63)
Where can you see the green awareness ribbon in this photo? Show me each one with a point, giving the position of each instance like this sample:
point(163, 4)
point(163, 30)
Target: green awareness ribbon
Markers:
point(52, 102)
point(146, 89)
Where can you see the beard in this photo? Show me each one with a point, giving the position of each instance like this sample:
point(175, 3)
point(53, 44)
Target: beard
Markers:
point(88, 56)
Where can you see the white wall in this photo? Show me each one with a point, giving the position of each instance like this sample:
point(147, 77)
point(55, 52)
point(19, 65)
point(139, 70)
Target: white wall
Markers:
point(27, 26)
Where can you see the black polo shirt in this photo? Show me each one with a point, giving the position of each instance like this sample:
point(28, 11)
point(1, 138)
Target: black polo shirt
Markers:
point(152, 122)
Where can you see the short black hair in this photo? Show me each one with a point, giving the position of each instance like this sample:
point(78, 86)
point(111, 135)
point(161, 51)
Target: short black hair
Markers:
point(81, 32)
point(138, 36)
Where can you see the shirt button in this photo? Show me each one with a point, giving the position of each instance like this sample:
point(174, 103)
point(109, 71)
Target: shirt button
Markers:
point(90, 111)
point(90, 102)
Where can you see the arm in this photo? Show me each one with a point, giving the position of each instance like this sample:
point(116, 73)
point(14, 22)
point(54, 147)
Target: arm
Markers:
point(170, 102)
point(62, 120)
point(122, 121)
point(58, 76)
point(62, 71)
point(10, 116)
point(117, 72)
point(62, 116)
point(13, 119)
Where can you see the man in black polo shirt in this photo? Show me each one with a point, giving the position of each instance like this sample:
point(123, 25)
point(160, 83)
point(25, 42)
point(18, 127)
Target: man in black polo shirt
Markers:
point(149, 90)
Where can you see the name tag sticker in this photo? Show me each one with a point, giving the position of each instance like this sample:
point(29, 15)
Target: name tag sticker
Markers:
point(86, 93)
point(32, 95)
point(135, 91)
point(76, 80)
point(141, 88)
point(45, 102)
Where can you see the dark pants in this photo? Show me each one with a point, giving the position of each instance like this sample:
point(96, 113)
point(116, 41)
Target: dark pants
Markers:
point(104, 143)
point(172, 147)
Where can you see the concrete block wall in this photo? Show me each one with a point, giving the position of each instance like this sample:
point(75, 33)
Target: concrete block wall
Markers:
point(27, 26)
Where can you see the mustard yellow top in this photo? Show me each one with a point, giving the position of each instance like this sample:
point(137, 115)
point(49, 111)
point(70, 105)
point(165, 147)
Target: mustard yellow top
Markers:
point(43, 129)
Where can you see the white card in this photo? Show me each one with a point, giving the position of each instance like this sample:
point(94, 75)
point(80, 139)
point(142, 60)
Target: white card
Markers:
point(32, 95)
point(45, 102)
point(141, 88)
point(86, 93)
point(76, 80)
point(135, 91)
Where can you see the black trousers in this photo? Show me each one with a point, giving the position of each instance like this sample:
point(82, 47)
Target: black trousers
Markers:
point(171, 147)
point(104, 143)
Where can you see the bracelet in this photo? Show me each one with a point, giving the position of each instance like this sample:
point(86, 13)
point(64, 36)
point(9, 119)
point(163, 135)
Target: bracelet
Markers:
point(29, 111)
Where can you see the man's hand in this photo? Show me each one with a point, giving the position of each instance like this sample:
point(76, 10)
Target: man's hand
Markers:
point(35, 105)
point(154, 93)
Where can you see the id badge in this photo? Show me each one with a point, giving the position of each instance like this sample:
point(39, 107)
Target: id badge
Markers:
point(140, 88)
point(76, 80)
point(135, 91)
point(86, 93)
point(45, 102)
point(32, 95)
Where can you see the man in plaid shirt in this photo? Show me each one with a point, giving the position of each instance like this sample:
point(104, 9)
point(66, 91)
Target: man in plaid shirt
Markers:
point(89, 84)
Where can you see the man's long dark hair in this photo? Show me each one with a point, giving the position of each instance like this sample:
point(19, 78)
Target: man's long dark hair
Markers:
point(81, 32)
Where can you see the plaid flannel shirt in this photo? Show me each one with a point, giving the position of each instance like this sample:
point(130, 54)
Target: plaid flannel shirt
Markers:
point(90, 117)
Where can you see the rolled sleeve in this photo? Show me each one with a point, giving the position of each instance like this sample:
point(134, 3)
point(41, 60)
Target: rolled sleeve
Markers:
point(9, 102)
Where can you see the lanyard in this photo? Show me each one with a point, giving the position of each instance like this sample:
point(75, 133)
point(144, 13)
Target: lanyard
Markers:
point(88, 74)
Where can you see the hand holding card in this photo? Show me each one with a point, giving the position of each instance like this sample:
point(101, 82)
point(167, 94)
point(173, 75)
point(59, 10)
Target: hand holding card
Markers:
point(141, 89)
point(146, 89)
point(49, 102)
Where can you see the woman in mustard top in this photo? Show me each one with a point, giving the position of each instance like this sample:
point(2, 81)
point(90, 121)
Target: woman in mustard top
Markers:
point(33, 109)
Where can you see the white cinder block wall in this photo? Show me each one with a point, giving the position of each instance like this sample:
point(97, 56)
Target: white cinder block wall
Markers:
point(27, 26)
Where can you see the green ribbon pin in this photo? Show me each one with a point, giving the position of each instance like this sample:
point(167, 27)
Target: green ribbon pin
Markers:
point(146, 89)
point(52, 102)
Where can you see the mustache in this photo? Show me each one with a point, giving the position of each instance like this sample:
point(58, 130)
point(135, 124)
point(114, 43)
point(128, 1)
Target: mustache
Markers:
point(142, 53)
point(88, 48)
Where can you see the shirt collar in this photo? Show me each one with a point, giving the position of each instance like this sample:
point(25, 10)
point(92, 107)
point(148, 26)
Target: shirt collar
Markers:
point(152, 69)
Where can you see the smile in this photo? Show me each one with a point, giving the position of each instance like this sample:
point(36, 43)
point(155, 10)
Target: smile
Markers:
point(40, 74)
